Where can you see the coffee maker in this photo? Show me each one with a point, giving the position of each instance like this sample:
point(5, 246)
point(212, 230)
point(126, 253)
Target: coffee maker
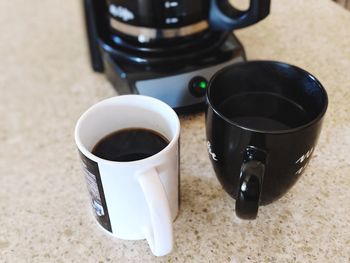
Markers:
point(167, 49)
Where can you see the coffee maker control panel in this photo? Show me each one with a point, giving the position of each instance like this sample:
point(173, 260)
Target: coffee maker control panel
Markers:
point(181, 90)
point(198, 86)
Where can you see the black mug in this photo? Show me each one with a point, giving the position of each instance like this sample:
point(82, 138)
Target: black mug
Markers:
point(263, 119)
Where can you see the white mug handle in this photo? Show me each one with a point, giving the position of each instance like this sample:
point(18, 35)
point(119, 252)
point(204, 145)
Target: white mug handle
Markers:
point(159, 234)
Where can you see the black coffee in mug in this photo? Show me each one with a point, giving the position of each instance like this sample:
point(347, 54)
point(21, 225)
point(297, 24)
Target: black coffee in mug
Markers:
point(263, 110)
point(263, 120)
point(130, 145)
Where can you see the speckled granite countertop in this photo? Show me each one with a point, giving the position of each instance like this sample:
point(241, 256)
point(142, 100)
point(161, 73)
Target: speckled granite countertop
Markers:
point(46, 83)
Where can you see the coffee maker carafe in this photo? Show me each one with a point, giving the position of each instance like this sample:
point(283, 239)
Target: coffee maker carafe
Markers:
point(152, 21)
point(167, 49)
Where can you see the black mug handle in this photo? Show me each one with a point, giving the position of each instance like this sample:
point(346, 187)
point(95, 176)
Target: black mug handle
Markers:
point(224, 17)
point(250, 183)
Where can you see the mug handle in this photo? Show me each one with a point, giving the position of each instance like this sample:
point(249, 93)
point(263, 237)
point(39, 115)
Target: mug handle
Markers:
point(159, 234)
point(224, 17)
point(250, 183)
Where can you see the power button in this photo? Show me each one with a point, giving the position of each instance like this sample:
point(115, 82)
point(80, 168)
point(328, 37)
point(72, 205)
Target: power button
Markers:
point(198, 86)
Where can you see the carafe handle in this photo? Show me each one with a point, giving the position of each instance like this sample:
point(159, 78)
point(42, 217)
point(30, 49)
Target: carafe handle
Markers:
point(224, 17)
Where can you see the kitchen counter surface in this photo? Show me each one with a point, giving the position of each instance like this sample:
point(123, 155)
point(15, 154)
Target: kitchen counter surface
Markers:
point(46, 83)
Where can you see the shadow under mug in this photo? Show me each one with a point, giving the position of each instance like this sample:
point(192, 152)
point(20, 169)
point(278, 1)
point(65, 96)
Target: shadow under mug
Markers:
point(263, 120)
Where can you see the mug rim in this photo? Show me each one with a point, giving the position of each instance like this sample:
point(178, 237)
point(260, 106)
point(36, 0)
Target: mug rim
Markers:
point(120, 98)
point(266, 62)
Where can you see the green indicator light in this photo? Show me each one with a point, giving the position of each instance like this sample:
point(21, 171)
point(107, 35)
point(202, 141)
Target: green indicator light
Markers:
point(202, 84)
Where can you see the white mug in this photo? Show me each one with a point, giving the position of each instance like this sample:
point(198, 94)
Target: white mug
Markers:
point(137, 199)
